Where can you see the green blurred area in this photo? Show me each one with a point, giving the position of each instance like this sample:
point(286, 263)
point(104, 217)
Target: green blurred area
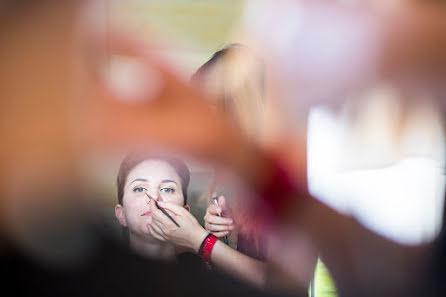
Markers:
point(322, 284)
point(191, 30)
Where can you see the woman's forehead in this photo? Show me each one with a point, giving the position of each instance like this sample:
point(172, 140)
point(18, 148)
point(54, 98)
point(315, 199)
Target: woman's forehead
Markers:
point(153, 171)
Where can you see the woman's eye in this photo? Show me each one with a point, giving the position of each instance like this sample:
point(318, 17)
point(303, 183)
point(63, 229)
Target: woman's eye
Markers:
point(168, 190)
point(139, 190)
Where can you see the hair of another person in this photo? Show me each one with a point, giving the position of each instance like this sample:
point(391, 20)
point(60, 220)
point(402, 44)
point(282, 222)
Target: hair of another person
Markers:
point(133, 160)
point(234, 75)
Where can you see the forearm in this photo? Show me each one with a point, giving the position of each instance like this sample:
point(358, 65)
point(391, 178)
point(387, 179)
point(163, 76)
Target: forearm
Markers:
point(229, 260)
point(238, 264)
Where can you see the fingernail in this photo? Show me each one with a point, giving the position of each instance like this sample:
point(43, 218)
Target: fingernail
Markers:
point(229, 221)
point(231, 227)
point(226, 232)
point(161, 203)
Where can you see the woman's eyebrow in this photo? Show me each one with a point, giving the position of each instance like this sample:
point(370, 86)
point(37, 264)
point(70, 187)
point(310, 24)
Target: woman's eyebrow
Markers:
point(168, 181)
point(139, 179)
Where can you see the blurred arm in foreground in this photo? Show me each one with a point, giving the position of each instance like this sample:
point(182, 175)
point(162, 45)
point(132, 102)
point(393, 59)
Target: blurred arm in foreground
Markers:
point(324, 52)
point(58, 112)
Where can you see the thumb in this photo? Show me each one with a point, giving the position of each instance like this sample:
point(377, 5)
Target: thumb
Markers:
point(175, 209)
point(223, 205)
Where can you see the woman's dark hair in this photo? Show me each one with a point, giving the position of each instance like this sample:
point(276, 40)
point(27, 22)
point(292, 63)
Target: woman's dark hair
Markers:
point(132, 160)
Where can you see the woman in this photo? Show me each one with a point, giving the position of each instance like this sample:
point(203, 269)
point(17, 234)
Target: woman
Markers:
point(141, 181)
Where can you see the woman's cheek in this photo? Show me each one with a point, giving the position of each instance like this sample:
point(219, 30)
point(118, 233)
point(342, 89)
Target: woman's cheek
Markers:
point(177, 199)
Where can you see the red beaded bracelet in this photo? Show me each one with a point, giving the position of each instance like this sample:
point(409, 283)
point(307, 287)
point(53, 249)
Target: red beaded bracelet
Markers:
point(206, 247)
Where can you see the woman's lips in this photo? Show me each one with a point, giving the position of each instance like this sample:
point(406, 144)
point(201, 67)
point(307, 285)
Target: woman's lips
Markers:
point(147, 213)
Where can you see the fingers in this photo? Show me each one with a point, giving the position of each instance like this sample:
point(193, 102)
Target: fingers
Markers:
point(178, 213)
point(213, 210)
point(222, 209)
point(222, 203)
point(218, 228)
point(155, 233)
point(216, 224)
point(158, 230)
point(152, 206)
point(159, 217)
point(173, 208)
point(221, 234)
point(226, 211)
point(213, 219)
point(161, 226)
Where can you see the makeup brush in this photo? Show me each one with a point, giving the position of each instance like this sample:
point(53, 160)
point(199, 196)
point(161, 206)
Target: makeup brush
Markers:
point(215, 201)
point(163, 211)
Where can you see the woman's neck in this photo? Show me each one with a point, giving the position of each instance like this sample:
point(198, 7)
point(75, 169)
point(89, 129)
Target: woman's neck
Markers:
point(152, 248)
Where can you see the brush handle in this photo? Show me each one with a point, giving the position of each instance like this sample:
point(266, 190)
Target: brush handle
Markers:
point(215, 201)
point(167, 215)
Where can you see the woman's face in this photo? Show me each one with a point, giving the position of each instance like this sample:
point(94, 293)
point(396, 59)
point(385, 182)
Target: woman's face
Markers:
point(155, 178)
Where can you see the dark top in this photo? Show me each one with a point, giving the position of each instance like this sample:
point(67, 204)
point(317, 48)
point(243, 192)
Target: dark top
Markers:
point(109, 269)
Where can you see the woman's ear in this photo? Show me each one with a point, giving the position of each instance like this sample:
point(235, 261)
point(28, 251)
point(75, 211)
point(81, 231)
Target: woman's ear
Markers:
point(119, 213)
point(187, 207)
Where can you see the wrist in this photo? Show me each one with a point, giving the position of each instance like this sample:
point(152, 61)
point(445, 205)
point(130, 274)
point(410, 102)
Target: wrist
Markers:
point(197, 239)
point(205, 250)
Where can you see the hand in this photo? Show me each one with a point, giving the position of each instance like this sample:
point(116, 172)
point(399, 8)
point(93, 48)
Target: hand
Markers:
point(190, 234)
point(219, 225)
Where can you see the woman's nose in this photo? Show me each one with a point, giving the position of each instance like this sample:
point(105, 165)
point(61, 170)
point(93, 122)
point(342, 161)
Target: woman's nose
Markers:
point(153, 195)
point(159, 197)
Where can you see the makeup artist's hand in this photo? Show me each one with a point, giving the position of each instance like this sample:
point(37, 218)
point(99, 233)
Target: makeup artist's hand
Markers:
point(218, 219)
point(190, 234)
